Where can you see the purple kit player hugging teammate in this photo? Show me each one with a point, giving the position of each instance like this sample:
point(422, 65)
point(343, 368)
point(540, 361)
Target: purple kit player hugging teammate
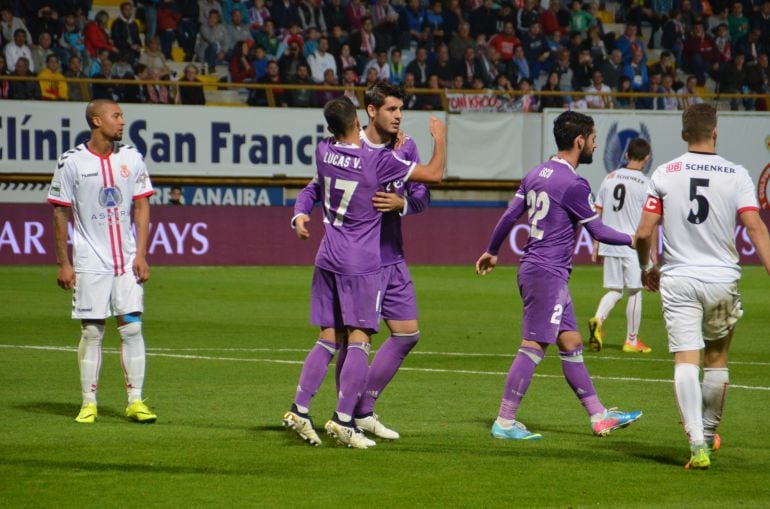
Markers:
point(557, 200)
point(384, 102)
point(347, 282)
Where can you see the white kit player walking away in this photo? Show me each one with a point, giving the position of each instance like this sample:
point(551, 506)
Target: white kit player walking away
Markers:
point(98, 181)
point(697, 196)
point(619, 204)
point(384, 103)
point(347, 281)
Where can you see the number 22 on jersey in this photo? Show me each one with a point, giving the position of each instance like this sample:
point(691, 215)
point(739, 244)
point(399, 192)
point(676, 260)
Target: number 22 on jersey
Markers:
point(336, 215)
point(537, 208)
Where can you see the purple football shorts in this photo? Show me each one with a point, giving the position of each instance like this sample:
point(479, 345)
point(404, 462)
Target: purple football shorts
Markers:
point(340, 301)
point(547, 305)
point(398, 300)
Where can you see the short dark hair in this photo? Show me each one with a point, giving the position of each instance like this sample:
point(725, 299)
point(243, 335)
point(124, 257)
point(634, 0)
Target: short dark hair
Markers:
point(340, 115)
point(638, 149)
point(698, 121)
point(376, 94)
point(568, 126)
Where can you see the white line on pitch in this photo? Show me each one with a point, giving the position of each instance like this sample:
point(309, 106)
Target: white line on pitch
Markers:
point(417, 370)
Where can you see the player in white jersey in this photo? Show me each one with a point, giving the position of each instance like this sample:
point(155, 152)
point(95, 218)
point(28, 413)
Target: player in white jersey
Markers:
point(98, 181)
point(697, 196)
point(619, 203)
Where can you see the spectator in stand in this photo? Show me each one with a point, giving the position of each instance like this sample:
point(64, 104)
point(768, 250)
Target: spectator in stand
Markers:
point(700, 56)
point(204, 9)
point(410, 98)
point(350, 81)
point(268, 39)
point(150, 8)
point(158, 93)
point(9, 24)
point(665, 66)
point(324, 96)
point(453, 16)
point(555, 18)
point(26, 89)
point(758, 80)
point(385, 21)
point(519, 63)
point(582, 70)
point(336, 39)
point(231, 6)
point(468, 67)
point(505, 41)
point(346, 60)
point(302, 97)
point(397, 67)
point(489, 66)
point(630, 42)
point(580, 20)
point(106, 89)
point(259, 60)
point(97, 37)
point(77, 92)
point(595, 44)
point(17, 49)
point(443, 67)
point(642, 11)
point(527, 101)
point(46, 19)
point(612, 69)
point(673, 35)
point(168, 25)
point(311, 16)
point(738, 23)
point(311, 42)
point(258, 14)
point(461, 40)
point(214, 42)
point(636, 71)
point(535, 48)
point(41, 51)
point(689, 18)
point(284, 13)
point(95, 66)
point(484, 19)
point(670, 102)
point(563, 67)
point(380, 64)
point(238, 29)
point(241, 70)
point(751, 46)
point(734, 80)
point(292, 36)
point(5, 84)
point(420, 68)
point(435, 23)
point(136, 92)
point(505, 14)
point(187, 32)
point(72, 39)
point(412, 23)
point(551, 85)
point(336, 14)
point(723, 45)
point(122, 68)
point(320, 61)
point(654, 87)
point(719, 17)
point(431, 101)
point(52, 84)
point(370, 78)
point(688, 93)
point(125, 32)
point(190, 94)
point(355, 12)
point(761, 20)
point(527, 15)
point(290, 61)
point(624, 102)
point(153, 57)
point(598, 90)
point(458, 83)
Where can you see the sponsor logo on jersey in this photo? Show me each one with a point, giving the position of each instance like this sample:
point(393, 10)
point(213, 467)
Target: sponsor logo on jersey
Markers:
point(55, 189)
point(86, 175)
point(762, 188)
point(617, 145)
point(672, 167)
point(110, 197)
point(124, 171)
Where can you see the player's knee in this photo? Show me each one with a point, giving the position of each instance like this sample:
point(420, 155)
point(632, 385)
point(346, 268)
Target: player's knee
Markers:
point(92, 332)
point(130, 331)
point(407, 337)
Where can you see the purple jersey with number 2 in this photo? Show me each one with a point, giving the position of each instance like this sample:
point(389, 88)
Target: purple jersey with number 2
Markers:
point(349, 177)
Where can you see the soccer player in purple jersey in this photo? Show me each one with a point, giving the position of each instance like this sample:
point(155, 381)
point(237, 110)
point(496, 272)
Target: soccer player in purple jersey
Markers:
point(384, 102)
point(557, 200)
point(347, 284)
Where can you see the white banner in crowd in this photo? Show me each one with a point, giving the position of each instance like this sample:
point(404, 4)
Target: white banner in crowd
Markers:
point(183, 140)
point(743, 138)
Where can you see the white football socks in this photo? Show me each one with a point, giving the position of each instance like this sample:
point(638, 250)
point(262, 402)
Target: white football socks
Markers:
point(132, 357)
point(690, 400)
point(715, 381)
point(90, 359)
point(608, 302)
point(633, 315)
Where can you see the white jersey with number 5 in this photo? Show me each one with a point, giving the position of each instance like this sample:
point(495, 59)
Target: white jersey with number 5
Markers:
point(100, 191)
point(621, 197)
point(699, 196)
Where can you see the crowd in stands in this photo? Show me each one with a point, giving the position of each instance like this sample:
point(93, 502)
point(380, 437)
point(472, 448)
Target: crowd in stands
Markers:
point(519, 46)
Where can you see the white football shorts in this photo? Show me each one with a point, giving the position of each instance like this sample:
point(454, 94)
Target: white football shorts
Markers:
point(695, 311)
point(622, 272)
point(98, 296)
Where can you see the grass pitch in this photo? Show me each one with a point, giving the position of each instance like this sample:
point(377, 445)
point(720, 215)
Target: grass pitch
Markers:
point(225, 347)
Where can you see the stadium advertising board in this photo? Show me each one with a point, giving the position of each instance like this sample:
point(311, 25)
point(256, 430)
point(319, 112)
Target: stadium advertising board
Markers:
point(211, 235)
point(182, 140)
point(743, 137)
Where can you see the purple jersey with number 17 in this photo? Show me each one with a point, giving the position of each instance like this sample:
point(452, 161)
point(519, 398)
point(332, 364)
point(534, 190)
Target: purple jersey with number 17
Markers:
point(349, 176)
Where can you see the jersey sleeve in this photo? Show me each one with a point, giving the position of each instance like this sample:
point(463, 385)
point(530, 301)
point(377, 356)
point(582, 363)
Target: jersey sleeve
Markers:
point(654, 201)
point(306, 198)
point(61, 191)
point(747, 195)
point(579, 202)
point(417, 197)
point(391, 167)
point(507, 221)
point(142, 184)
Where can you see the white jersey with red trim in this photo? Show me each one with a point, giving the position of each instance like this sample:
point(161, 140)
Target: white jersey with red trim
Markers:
point(100, 191)
point(621, 197)
point(699, 195)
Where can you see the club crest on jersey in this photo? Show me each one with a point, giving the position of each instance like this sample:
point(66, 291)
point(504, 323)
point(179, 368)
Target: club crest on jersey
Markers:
point(110, 197)
point(617, 145)
point(124, 171)
point(763, 188)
